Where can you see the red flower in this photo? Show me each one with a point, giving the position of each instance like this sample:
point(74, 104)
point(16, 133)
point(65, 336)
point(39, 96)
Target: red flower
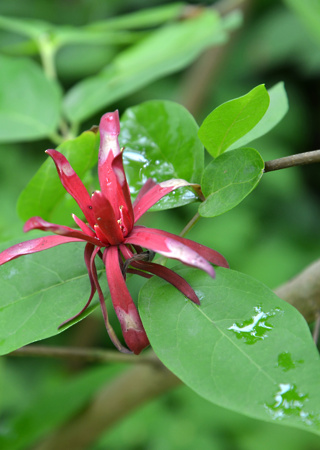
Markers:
point(111, 233)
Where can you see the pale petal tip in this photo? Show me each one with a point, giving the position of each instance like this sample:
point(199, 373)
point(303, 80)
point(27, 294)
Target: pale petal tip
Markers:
point(109, 123)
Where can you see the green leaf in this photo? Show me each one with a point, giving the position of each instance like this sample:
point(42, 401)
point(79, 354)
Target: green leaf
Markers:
point(143, 63)
point(29, 102)
point(55, 407)
point(243, 348)
point(309, 13)
point(42, 290)
point(44, 195)
point(161, 142)
point(277, 109)
point(232, 120)
point(144, 18)
point(28, 27)
point(229, 179)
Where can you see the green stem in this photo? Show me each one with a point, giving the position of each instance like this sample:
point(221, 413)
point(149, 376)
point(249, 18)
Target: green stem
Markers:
point(47, 53)
point(190, 225)
point(56, 138)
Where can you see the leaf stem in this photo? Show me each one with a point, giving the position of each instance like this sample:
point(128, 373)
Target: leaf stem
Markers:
point(47, 53)
point(86, 354)
point(56, 138)
point(190, 224)
point(292, 160)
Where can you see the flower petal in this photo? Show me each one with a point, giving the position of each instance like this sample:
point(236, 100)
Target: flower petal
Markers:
point(105, 218)
point(34, 246)
point(206, 252)
point(109, 328)
point(132, 328)
point(87, 256)
point(124, 198)
point(37, 223)
point(150, 183)
point(83, 226)
point(169, 247)
point(72, 184)
point(111, 173)
point(153, 195)
point(109, 148)
point(169, 275)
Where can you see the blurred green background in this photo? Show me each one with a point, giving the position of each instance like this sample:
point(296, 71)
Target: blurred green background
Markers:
point(271, 236)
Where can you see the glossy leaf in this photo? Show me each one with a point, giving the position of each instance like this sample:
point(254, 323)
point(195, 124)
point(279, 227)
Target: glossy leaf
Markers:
point(44, 195)
point(161, 142)
point(277, 109)
point(243, 348)
point(232, 120)
point(229, 179)
point(40, 291)
point(143, 63)
point(29, 102)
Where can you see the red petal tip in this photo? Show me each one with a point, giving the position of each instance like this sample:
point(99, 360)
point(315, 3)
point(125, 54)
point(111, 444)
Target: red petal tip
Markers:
point(132, 329)
point(109, 123)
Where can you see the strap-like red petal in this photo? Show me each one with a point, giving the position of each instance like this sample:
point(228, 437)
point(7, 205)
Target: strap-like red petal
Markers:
point(34, 246)
point(131, 325)
point(105, 218)
point(72, 184)
point(206, 252)
point(169, 247)
point(87, 256)
point(153, 195)
point(37, 223)
point(169, 275)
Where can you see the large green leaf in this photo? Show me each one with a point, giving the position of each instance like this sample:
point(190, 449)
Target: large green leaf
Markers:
point(228, 179)
point(29, 102)
point(40, 291)
point(44, 195)
point(277, 109)
point(243, 348)
point(161, 142)
point(143, 63)
point(232, 120)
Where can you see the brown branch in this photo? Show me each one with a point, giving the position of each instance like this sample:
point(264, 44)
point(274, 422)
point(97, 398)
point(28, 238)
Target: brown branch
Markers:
point(113, 402)
point(293, 160)
point(85, 354)
point(303, 292)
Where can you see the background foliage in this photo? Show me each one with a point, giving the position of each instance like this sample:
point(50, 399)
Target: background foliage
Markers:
point(273, 234)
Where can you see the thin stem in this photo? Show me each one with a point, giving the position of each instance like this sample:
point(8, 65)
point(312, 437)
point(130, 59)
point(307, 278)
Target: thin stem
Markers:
point(86, 354)
point(47, 53)
point(190, 225)
point(316, 330)
point(56, 138)
point(293, 160)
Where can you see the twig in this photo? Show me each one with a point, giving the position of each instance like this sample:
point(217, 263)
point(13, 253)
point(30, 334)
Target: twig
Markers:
point(316, 330)
point(303, 292)
point(86, 354)
point(293, 160)
point(114, 401)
